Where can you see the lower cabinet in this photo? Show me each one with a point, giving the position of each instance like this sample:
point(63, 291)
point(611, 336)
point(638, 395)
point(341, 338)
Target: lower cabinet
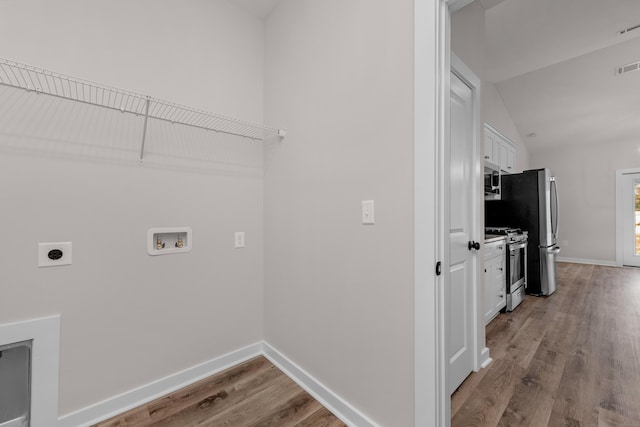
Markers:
point(494, 279)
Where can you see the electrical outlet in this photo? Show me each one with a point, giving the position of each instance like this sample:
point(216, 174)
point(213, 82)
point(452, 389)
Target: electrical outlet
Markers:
point(239, 239)
point(54, 254)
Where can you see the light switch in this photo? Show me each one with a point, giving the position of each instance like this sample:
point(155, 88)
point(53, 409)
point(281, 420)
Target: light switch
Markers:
point(368, 216)
point(239, 238)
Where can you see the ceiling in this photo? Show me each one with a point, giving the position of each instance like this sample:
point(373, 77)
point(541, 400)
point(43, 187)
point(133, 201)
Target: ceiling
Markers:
point(553, 63)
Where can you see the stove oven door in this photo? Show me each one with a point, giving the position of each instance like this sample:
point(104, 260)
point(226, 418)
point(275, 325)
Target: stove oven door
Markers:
point(517, 266)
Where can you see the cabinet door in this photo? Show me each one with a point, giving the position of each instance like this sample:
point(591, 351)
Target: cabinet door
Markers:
point(489, 291)
point(499, 285)
point(488, 147)
point(496, 151)
point(511, 159)
point(503, 156)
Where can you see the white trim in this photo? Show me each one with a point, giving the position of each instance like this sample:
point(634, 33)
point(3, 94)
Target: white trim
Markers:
point(464, 73)
point(485, 360)
point(432, 51)
point(131, 399)
point(330, 400)
point(430, 399)
point(587, 261)
point(45, 358)
point(619, 214)
point(139, 396)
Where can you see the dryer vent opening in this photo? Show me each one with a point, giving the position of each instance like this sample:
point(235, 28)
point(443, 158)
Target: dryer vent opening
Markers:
point(15, 384)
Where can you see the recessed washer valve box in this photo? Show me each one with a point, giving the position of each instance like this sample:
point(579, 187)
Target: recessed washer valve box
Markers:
point(168, 240)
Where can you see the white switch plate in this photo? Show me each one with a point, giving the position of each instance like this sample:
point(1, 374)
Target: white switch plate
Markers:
point(45, 248)
point(368, 216)
point(239, 239)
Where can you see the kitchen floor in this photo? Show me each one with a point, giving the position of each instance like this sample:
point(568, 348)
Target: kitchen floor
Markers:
point(571, 359)
point(254, 393)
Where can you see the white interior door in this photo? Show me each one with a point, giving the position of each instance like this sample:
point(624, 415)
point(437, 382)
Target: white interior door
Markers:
point(629, 192)
point(459, 291)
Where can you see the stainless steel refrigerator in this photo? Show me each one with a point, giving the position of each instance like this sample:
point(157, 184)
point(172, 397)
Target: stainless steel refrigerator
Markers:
point(529, 200)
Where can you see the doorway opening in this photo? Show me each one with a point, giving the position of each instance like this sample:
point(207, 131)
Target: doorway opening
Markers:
point(628, 217)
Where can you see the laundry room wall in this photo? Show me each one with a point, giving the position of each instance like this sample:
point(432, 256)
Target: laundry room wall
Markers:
point(339, 295)
point(69, 172)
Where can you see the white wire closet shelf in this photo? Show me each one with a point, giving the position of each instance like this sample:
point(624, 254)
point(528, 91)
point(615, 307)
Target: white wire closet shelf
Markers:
point(39, 80)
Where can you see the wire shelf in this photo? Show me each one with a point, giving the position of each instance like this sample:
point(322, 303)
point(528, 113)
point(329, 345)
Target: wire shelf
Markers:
point(39, 80)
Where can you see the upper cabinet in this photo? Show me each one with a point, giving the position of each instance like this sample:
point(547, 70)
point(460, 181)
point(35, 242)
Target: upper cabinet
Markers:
point(499, 150)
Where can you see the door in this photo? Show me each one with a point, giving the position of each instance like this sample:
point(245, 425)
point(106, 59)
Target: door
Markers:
point(630, 195)
point(461, 260)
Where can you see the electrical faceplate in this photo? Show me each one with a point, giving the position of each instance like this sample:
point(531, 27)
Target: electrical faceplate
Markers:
point(239, 239)
point(54, 254)
point(368, 216)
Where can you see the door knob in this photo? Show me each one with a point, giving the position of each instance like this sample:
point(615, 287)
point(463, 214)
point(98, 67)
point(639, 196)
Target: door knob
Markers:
point(474, 245)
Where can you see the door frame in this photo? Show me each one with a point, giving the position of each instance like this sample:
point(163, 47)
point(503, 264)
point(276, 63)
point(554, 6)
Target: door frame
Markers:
point(619, 214)
point(432, 65)
point(481, 352)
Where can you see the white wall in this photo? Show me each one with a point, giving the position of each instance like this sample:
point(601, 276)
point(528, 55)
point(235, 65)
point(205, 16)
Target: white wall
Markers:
point(495, 113)
point(339, 294)
point(468, 43)
point(467, 36)
point(586, 190)
point(128, 318)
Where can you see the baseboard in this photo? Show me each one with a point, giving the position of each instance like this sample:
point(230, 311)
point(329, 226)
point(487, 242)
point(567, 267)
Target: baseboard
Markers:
point(485, 360)
point(141, 395)
point(587, 261)
point(337, 405)
point(121, 403)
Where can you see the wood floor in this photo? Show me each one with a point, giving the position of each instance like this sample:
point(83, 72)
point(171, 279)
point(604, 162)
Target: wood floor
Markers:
point(571, 359)
point(254, 393)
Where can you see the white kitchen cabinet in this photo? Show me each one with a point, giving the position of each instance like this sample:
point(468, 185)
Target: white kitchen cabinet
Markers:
point(503, 157)
point(494, 279)
point(511, 159)
point(499, 150)
point(492, 147)
point(488, 147)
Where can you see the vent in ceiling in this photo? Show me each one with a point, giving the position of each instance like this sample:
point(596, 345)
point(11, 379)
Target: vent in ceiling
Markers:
point(634, 66)
point(627, 30)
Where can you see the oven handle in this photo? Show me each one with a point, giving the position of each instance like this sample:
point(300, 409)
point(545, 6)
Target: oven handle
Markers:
point(519, 245)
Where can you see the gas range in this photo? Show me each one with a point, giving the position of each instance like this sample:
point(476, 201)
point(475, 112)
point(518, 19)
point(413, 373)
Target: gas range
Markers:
point(516, 262)
point(514, 235)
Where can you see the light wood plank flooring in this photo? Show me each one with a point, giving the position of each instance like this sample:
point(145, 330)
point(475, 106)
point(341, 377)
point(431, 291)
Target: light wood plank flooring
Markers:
point(571, 359)
point(254, 393)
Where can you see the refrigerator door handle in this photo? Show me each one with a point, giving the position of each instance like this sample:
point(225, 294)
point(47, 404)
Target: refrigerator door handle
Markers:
point(554, 214)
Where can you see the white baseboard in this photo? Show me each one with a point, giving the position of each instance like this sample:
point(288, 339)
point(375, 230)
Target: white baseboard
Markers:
point(485, 360)
point(131, 399)
point(141, 395)
point(337, 405)
point(587, 261)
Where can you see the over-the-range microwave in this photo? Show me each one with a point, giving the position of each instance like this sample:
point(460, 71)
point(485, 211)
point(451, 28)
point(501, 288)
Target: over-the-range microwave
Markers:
point(491, 182)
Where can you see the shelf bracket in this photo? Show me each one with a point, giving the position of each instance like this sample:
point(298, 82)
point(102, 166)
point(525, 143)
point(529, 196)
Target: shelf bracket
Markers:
point(144, 130)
